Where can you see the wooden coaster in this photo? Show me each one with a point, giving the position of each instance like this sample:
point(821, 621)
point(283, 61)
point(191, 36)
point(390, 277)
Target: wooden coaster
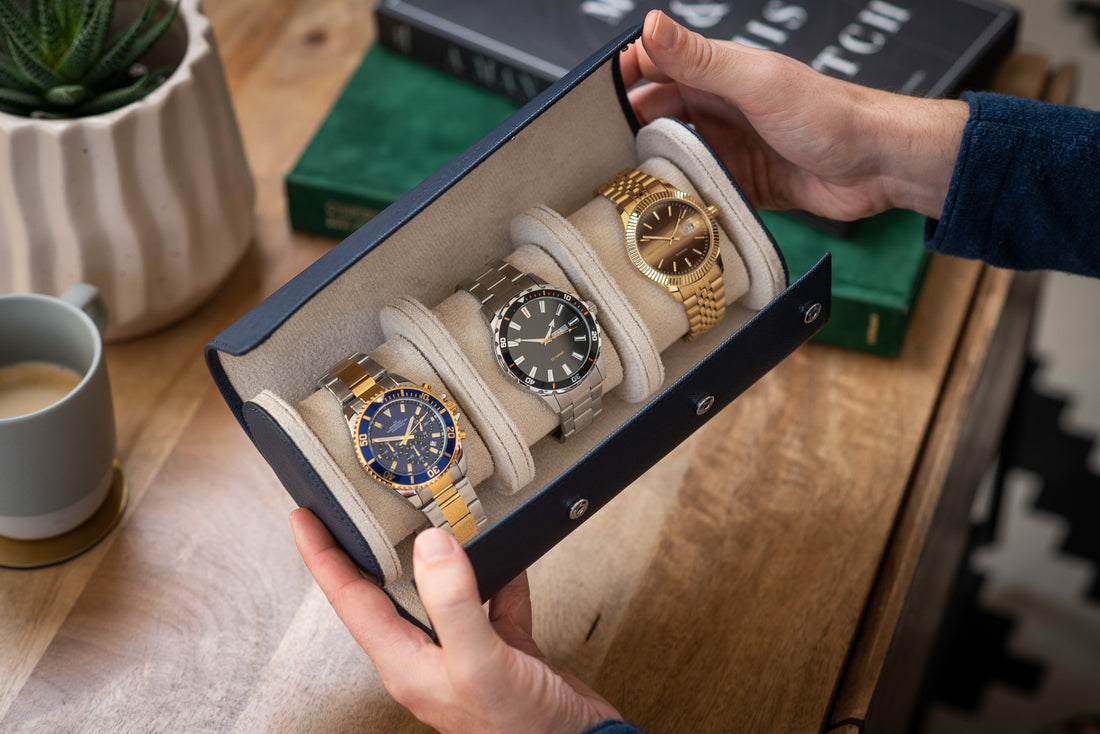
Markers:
point(60, 548)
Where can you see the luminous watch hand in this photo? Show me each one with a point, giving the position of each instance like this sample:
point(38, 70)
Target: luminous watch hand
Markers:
point(408, 431)
point(392, 438)
point(420, 422)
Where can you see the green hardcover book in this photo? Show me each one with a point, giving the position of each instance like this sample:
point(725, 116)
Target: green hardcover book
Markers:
point(394, 124)
point(877, 273)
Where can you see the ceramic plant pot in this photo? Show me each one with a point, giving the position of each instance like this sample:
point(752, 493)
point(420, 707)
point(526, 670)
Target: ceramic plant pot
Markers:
point(151, 202)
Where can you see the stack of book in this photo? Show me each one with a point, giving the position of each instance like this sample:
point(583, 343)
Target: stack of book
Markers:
point(444, 73)
point(394, 124)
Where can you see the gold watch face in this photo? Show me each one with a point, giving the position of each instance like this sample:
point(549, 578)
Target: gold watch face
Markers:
point(671, 238)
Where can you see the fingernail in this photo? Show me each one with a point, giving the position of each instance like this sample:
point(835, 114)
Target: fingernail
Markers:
point(665, 31)
point(433, 544)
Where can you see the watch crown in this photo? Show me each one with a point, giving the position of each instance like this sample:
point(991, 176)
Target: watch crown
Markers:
point(712, 210)
point(450, 405)
point(426, 386)
point(461, 435)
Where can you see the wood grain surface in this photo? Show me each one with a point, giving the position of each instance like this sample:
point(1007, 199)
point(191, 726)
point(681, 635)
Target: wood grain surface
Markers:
point(723, 591)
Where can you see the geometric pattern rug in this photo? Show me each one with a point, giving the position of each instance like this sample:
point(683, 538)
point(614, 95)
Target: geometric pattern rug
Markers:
point(1019, 650)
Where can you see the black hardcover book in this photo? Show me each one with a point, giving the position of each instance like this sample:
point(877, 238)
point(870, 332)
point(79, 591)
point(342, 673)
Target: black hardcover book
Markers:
point(519, 47)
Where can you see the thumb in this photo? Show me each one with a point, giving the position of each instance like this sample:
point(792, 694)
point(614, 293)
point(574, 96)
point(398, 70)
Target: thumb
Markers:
point(448, 589)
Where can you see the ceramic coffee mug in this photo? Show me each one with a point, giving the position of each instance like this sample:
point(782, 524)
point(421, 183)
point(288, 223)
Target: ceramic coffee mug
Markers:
point(57, 427)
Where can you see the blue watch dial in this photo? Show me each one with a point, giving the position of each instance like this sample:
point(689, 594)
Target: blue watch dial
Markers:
point(406, 437)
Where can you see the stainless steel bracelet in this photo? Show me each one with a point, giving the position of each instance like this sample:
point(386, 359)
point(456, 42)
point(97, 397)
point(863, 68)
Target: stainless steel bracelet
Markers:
point(580, 406)
point(349, 387)
point(497, 285)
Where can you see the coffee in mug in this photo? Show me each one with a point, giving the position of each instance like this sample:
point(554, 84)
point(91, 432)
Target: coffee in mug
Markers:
point(27, 387)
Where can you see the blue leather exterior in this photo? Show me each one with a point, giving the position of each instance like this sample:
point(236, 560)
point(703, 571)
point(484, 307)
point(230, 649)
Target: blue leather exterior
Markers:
point(304, 486)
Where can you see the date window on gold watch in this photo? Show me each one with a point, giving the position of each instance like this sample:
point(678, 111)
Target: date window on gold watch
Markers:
point(689, 227)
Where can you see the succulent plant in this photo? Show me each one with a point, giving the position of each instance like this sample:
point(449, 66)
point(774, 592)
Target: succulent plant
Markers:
point(57, 60)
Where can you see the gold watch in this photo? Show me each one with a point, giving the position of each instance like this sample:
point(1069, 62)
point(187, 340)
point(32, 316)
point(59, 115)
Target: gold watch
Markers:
point(672, 239)
point(407, 438)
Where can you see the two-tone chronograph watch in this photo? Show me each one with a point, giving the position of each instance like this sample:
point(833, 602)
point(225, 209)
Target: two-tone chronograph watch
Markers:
point(672, 239)
point(407, 438)
point(544, 338)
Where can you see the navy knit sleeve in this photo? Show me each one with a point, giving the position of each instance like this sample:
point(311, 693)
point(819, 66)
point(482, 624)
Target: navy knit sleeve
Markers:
point(612, 726)
point(1025, 193)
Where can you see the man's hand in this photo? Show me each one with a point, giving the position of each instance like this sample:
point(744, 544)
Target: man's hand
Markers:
point(486, 675)
point(793, 138)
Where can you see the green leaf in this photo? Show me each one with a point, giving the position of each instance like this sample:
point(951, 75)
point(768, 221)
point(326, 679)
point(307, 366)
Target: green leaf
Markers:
point(67, 17)
point(22, 100)
point(116, 61)
point(18, 30)
point(69, 95)
point(33, 9)
point(12, 109)
point(49, 29)
point(87, 46)
point(116, 98)
point(39, 75)
point(11, 75)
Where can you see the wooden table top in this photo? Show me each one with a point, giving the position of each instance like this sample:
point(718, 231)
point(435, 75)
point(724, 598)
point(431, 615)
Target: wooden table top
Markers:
point(754, 547)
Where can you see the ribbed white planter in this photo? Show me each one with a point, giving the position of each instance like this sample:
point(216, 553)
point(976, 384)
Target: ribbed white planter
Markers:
point(151, 203)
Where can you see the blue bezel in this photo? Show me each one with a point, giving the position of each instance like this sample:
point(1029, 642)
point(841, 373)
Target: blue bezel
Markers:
point(398, 481)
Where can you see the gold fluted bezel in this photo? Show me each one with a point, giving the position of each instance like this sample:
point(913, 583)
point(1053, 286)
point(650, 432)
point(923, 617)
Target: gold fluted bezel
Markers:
point(630, 226)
